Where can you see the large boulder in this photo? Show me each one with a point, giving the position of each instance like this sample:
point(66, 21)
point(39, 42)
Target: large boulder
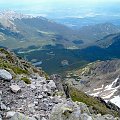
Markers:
point(20, 116)
point(5, 75)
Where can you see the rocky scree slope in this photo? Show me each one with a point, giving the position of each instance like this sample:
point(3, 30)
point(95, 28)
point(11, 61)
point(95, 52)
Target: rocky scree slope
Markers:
point(27, 94)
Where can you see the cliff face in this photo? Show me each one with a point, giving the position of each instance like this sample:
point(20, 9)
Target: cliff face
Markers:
point(27, 93)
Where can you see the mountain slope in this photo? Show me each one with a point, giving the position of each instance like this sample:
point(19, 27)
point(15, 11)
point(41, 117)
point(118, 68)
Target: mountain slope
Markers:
point(92, 33)
point(25, 31)
point(100, 79)
point(40, 98)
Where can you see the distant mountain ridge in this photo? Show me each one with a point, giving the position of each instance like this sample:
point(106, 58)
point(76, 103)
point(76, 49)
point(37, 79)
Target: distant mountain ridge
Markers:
point(37, 31)
point(25, 31)
point(30, 37)
point(98, 31)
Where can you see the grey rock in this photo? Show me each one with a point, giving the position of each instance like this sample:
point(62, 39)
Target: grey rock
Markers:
point(3, 106)
point(10, 114)
point(40, 97)
point(20, 116)
point(0, 117)
point(52, 84)
point(33, 76)
point(15, 88)
point(0, 100)
point(44, 118)
point(36, 102)
point(45, 89)
point(83, 108)
point(108, 117)
point(65, 111)
point(0, 92)
point(8, 109)
point(85, 116)
point(33, 87)
point(42, 80)
point(5, 75)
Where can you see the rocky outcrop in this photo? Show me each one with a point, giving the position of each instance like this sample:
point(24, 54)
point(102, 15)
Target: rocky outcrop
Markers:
point(69, 110)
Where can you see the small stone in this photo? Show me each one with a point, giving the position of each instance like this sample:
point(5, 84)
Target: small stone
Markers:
point(36, 102)
point(0, 92)
point(8, 109)
point(85, 116)
point(42, 80)
point(45, 89)
point(108, 117)
point(44, 118)
point(51, 84)
point(0, 98)
point(20, 116)
point(15, 88)
point(33, 77)
point(33, 86)
point(31, 105)
point(36, 107)
point(0, 117)
point(3, 106)
point(10, 114)
point(40, 97)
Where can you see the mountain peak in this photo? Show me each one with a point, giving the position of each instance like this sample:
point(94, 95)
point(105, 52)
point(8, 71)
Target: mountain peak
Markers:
point(11, 15)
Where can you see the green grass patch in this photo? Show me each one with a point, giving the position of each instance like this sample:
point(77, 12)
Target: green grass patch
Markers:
point(15, 69)
point(26, 80)
point(18, 70)
point(80, 96)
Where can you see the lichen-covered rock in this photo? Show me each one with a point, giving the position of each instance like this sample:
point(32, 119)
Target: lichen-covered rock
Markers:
point(66, 110)
point(83, 108)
